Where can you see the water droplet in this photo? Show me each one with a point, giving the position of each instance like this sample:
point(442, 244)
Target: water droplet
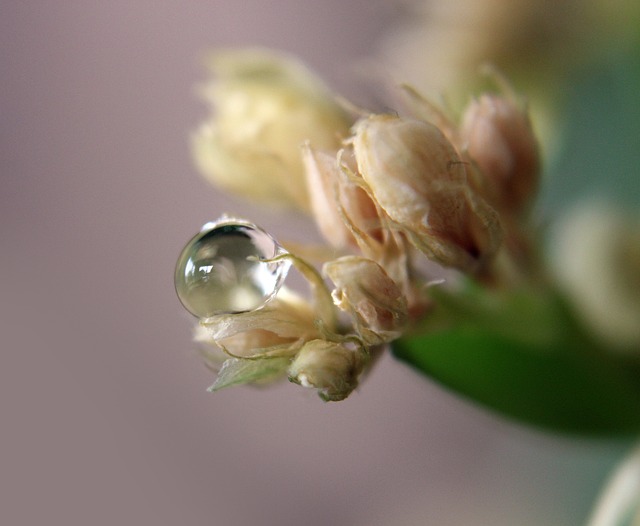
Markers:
point(221, 270)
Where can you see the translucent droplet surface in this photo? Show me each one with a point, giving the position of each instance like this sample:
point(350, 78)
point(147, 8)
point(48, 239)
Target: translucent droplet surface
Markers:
point(221, 270)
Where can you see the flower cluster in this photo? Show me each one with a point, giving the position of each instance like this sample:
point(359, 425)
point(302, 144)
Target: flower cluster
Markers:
point(537, 43)
point(388, 192)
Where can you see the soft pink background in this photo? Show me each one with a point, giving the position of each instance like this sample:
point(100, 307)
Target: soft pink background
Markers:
point(105, 419)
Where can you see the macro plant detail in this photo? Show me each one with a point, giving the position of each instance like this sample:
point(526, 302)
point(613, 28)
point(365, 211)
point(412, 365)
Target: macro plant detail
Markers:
point(433, 251)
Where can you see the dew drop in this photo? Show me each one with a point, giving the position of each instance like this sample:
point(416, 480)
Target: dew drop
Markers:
point(221, 270)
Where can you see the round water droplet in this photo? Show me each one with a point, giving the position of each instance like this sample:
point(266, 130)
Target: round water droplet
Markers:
point(221, 270)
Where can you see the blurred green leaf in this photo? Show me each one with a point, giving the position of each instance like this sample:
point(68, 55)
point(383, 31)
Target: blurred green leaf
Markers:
point(527, 360)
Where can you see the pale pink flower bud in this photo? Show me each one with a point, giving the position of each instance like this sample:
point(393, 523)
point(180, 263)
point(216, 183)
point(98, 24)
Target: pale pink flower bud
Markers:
point(347, 214)
point(334, 199)
point(364, 290)
point(499, 138)
point(281, 326)
point(416, 175)
point(331, 368)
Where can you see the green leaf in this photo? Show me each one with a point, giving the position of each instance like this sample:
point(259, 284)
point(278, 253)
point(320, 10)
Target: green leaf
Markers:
point(543, 373)
point(235, 371)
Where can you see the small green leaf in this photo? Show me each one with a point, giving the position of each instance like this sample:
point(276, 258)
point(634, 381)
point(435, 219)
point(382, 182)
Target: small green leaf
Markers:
point(236, 371)
point(546, 374)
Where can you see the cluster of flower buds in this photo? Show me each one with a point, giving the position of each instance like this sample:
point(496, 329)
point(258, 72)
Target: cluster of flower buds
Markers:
point(384, 190)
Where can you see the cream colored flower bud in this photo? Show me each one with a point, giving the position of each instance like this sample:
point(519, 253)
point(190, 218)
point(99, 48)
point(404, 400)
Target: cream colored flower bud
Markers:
point(265, 107)
point(364, 290)
point(499, 138)
point(331, 368)
point(418, 178)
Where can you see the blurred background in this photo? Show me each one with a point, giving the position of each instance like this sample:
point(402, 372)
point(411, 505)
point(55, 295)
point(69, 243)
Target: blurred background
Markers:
point(105, 418)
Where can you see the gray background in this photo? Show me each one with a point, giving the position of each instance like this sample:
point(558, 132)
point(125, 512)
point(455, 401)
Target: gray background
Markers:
point(104, 415)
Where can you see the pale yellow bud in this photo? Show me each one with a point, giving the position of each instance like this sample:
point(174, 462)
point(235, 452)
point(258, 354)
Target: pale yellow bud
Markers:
point(331, 368)
point(265, 107)
point(364, 290)
point(596, 257)
point(418, 178)
point(499, 138)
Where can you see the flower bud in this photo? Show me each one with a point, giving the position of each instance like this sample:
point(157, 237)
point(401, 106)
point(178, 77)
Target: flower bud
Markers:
point(281, 327)
point(333, 197)
point(596, 258)
point(331, 368)
point(266, 106)
point(418, 178)
point(499, 138)
point(365, 290)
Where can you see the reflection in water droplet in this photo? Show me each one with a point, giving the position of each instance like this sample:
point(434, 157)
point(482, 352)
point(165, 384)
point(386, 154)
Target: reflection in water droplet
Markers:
point(220, 270)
